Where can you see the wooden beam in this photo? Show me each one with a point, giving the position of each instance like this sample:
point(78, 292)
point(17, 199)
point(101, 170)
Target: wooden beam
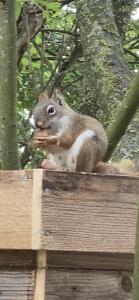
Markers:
point(136, 261)
point(17, 274)
point(88, 285)
point(59, 211)
point(89, 213)
point(36, 208)
point(22, 259)
point(20, 209)
point(39, 293)
point(90, 260)
point(15, 209)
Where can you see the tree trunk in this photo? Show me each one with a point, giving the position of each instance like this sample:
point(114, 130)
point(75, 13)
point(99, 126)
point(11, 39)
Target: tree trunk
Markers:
point(8, 138)
point(101, 43)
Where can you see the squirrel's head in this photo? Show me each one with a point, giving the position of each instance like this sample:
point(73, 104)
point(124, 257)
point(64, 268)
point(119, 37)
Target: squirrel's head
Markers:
point(48, 111)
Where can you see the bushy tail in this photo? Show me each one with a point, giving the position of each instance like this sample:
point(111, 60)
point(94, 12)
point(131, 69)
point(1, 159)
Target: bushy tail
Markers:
point(125, 167)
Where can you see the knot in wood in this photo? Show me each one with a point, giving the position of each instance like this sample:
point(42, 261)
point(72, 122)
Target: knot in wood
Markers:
point(126, 283)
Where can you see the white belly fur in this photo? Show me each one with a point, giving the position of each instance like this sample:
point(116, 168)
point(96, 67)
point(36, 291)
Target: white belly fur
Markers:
point(59, 158)
point(68, 158)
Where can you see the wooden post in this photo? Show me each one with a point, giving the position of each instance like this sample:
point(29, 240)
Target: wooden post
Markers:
point(36, 208)
point(136, 263)
point(39, 293)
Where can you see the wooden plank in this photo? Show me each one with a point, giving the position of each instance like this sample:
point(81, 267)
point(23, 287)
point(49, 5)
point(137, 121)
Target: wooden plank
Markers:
point(17, 274)
point(16, 284)
point(15, 209)
point(20, 205)
point(88, 285)
point(136, 261)
point(80, 212)
point(15, 175)
point(25, 259)
point(90, 261)
point(36, 208)
point(89, 213)
point(65, 181)
point(39, 293)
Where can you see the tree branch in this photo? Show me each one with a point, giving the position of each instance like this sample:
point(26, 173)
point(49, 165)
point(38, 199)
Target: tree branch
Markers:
point(72, 82)
point(42, 56)
point(25, 156)
point(66, 66)
point(29, 24)
point(122, 10)
point(131, 53)
point(124, 116)
point(60, 31)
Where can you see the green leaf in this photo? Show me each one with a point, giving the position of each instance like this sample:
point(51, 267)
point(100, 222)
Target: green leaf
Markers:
point(53, 6)
point(25, 61)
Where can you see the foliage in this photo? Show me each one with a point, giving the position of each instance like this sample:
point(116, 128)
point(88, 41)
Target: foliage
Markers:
point(54, 58)
point(131, 45)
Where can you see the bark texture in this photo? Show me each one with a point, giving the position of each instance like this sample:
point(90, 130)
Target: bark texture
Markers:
point(122, 10)
point(8, 139)
point(109, 76)
point(29, 24)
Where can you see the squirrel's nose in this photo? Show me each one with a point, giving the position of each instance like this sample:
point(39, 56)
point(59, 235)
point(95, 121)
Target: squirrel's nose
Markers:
point(40, 125)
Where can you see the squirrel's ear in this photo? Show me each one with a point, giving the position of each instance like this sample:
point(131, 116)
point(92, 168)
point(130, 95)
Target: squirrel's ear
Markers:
point(57, 96)
point(43, 96)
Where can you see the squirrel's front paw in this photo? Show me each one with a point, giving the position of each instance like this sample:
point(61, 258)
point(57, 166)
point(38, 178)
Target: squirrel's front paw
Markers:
point(48, 140)
point(49, 165)
point(44, 141)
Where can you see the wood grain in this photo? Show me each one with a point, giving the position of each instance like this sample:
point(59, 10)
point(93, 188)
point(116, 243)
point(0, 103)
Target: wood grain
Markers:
point(90, 261)
point(88, 285)
point(15, 209)
point(39, 293)
point(89, 213)
point(20, 207)
point(17, 270)
point(16, 284)
point(85, 222)
point(14, 259)
point(36, 208)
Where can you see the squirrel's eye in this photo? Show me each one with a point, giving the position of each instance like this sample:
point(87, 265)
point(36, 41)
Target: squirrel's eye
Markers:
point(51, 110)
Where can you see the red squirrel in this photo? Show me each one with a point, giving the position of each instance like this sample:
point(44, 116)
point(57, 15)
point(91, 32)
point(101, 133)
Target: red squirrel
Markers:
point(74, 142)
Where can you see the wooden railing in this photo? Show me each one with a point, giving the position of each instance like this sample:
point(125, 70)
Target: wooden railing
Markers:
point(66, 235)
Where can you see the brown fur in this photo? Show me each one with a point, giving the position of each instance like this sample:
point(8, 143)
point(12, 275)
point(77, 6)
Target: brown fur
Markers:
point(88, 156)
point(125, 167)
point(93, 148)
